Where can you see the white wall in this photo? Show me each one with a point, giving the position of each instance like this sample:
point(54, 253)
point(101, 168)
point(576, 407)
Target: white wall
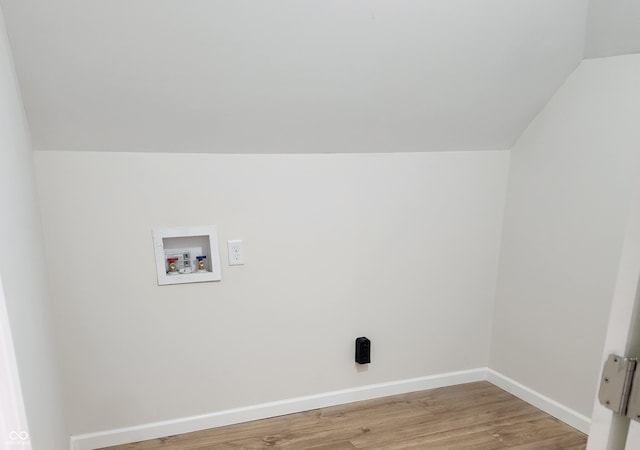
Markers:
point(570, 181)
point(400, 247)
point(22, 270)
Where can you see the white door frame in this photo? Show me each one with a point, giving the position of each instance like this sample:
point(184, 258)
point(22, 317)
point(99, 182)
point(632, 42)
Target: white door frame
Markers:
point(13, 422)
point(608, 430)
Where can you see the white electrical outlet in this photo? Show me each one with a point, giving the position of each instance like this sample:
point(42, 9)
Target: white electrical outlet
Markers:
point(236, 253)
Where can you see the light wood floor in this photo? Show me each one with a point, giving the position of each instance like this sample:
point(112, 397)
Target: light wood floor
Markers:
point(470, 416)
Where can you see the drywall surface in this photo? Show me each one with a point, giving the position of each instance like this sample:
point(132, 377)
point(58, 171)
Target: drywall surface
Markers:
point(22, 270)
point(401, 248)
point(290, 76)
point(613, 28)
point(570, 182)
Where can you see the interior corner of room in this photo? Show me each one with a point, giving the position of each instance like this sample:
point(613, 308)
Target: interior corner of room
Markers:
point(452, 182)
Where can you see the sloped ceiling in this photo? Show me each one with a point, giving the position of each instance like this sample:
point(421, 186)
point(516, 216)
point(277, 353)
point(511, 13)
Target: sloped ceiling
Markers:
point(293, 76)
point(613, 28)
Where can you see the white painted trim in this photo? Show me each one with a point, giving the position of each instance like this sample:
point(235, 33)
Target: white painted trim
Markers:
point(609, 430)
point(120, 436)
point(633, 437)
point(550, 406)
point(143, 432)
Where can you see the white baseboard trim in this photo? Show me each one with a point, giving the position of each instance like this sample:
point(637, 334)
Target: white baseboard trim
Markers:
point(127, 435)
point(552, 407)
point(154, 430)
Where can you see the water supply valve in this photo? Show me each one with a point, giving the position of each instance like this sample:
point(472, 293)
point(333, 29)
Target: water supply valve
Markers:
point(172, 266)
point(201, 263)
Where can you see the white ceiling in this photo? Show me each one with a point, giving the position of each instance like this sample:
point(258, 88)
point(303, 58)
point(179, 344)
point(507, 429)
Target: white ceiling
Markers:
point(259, 76)
point(613, 28)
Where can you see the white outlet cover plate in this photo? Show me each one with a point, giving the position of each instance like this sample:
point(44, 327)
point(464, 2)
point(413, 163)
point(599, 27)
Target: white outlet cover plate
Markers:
point(174, 237)
point(236, 252)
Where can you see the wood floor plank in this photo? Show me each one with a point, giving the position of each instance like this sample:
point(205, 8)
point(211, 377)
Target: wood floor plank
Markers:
point(474, 415)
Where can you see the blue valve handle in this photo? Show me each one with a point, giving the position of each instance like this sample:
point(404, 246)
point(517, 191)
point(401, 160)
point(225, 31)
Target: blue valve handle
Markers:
point(200, 258)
